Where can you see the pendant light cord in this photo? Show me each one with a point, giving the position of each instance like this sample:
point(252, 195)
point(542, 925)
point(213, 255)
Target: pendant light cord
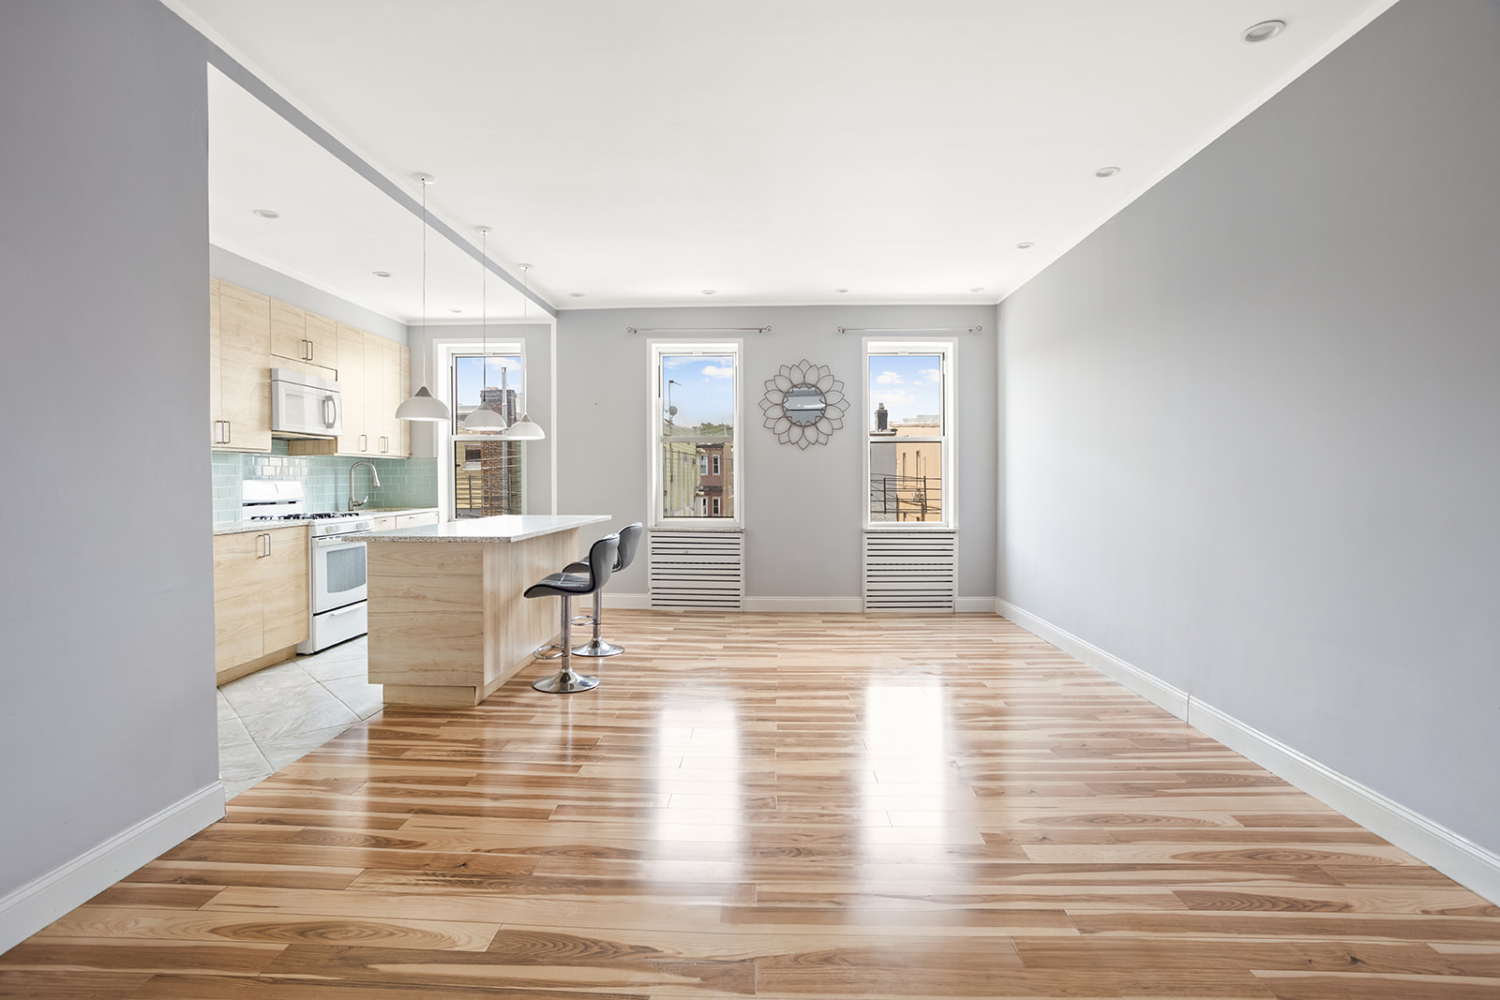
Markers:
point(424, 276)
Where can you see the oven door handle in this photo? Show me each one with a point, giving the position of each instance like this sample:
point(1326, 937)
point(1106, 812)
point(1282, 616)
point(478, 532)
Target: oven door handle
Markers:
point(344, 611)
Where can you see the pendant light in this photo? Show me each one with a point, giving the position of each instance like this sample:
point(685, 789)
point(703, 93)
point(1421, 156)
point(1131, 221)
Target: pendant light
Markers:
point(524, 429)
point(423, 405)
point(484, 419)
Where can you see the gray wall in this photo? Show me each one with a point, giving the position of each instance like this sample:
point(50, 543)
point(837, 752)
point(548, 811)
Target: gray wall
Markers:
point(1252, 425)
point(248, 274)
point(803, 518)
point(106, 599)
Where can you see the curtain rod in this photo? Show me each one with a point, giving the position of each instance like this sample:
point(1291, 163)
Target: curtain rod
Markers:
point(910, 329)
point(697, 329)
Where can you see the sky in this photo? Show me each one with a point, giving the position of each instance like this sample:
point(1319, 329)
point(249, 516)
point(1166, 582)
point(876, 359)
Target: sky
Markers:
point(908, 385)
point(705, 392)
point(468, 377)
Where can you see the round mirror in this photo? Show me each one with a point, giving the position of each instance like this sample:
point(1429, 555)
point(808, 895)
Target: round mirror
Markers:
point(804, 404)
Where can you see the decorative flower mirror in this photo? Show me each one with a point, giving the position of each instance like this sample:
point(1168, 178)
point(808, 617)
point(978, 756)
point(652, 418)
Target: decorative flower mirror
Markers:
point(804, 404)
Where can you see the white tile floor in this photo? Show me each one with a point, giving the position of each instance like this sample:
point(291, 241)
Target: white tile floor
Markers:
point(275, 715)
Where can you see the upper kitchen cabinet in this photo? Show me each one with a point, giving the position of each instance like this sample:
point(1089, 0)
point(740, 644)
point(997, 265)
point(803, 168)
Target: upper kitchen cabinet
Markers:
point(241, 421)
point(354, 440)
point(215, 407)
point(302, 336)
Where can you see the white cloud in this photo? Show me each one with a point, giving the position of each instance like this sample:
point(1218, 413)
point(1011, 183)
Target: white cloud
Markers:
point(713, 371)
point(888, 378)
point(932, 375)
point(895, 398)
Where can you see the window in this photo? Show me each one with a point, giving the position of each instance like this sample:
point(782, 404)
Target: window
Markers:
point(909, 415)
point(695, 406)
point(487, 472)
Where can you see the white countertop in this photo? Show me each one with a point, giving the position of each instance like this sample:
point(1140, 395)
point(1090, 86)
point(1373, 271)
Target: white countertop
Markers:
point(503, 528)
point(236, 527)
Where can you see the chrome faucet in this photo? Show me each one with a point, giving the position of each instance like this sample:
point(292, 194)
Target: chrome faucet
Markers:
point(353, 503)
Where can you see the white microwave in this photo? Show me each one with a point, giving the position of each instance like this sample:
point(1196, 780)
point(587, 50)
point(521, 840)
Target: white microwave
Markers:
point(305, 405)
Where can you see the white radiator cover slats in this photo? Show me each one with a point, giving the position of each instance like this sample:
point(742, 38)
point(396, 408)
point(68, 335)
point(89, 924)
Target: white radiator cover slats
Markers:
point(910, 570)
point(697, 569)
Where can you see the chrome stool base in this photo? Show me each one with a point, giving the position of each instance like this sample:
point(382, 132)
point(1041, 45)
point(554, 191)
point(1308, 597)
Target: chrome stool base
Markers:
point(566, 681)
point(598, 647)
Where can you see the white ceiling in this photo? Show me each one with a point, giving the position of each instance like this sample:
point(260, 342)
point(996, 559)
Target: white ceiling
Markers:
point(335, 228)
point(640, 151)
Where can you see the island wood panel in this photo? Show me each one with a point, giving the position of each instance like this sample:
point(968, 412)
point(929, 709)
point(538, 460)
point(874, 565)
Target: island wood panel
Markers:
point(426, 613)
point(815, 806)
point(448, 622)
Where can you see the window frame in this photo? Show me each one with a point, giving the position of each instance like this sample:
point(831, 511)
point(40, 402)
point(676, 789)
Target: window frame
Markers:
point(948, 349)
point(656, 406)
point(446, 350)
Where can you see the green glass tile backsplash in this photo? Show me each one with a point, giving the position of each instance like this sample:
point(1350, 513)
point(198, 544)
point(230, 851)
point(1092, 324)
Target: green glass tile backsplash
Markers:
point(404, 482)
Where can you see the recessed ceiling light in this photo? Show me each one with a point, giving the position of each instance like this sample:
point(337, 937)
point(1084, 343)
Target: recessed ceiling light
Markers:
point(841, 291)
point(265, 213)
point(710, 291)
point(1106, 171)
point(455, 310)
point(381, 274)
point(1025, 246)
point(1263, 31)
point(576, 295)
point(977, 288)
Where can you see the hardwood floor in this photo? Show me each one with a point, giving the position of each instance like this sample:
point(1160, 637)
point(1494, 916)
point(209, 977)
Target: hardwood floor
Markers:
point(796, 806)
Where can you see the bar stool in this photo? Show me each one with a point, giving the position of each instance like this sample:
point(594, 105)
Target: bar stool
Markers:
point(568, 585)
point(630, 540)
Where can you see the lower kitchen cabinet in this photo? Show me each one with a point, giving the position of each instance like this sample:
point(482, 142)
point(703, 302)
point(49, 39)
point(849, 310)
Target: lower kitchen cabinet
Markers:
point(260, 599)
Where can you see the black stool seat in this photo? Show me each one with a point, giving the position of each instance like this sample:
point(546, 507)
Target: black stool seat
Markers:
point(568, 585)
point(559, 584)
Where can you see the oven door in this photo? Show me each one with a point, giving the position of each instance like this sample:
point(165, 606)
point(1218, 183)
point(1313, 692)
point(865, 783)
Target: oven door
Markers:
point(338, 573)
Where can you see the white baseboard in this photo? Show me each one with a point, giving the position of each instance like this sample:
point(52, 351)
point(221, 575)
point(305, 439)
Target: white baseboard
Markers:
point(28, 909)
point(1462, 860)
point(1158, 692)
point(638, 602)
point(1456, 856)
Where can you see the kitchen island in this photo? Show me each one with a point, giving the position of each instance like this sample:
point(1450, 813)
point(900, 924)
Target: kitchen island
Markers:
point(448, 622)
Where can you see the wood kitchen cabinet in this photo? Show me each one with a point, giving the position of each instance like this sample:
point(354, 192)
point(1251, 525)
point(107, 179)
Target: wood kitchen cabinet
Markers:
point(215, 406)
point(299, 335)
point(250, 333)
point(354, 440)
point(240, 336)
point(260, 599)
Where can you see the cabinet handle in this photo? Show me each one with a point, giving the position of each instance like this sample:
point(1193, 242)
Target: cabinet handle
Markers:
point(364, 442)
point(228, 432)
point(268, 543)
point(384, 443)
point(310, 351)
